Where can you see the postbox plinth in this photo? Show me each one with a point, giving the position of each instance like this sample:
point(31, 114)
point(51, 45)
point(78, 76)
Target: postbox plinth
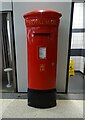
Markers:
point(42, 40)
point(42, 98)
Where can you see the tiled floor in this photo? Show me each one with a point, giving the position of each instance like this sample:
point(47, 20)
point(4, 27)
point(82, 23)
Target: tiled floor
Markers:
point(76, 83)
point(18, 108)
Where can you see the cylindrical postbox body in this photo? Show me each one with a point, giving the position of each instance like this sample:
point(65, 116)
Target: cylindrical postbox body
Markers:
point(42, 40)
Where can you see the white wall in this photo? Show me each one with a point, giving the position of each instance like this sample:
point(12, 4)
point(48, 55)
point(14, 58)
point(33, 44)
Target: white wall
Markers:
point(19, 9)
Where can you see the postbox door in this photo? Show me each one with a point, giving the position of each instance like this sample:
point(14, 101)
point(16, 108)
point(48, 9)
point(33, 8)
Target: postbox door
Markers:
point(42, 59)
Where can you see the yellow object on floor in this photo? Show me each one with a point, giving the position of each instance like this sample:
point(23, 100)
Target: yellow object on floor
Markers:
point(71, 68)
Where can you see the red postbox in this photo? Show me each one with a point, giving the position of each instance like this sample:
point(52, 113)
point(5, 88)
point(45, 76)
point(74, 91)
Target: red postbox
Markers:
point(42, 38)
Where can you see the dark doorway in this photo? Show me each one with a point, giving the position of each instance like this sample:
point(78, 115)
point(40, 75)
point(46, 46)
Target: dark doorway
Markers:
point(8, 53)
point(76, 54)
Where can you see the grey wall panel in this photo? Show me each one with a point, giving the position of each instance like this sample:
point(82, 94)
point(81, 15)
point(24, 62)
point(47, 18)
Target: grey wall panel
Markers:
point(19, 9)
point(5, 6)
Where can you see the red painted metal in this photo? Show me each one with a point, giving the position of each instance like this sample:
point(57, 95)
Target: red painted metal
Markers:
point(42, 40)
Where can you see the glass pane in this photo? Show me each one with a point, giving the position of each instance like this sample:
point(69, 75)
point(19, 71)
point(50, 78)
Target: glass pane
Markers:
point(77, 41)
point(78, 15)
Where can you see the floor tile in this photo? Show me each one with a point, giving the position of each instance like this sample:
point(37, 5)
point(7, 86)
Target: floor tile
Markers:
point(18, 108)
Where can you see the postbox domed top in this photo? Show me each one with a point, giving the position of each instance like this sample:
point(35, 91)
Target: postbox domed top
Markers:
point(47, 13)
point(42, 18)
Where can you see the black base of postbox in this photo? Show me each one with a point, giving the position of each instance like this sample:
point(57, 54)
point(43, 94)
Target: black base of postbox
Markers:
point(42, 98)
